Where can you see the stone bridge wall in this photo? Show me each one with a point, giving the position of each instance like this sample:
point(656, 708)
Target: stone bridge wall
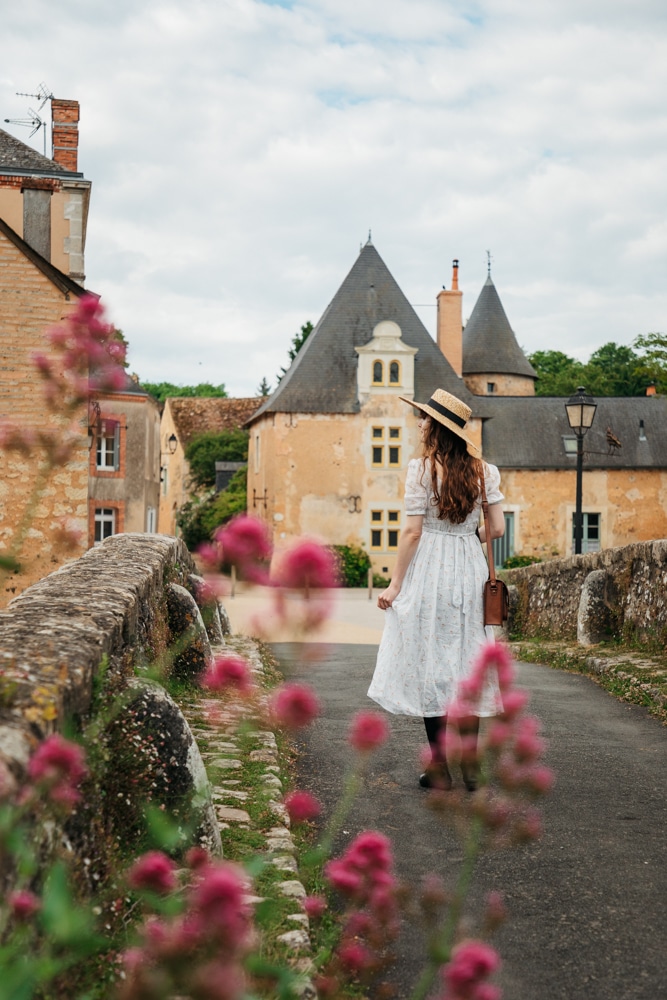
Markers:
point(55, 634)
point(630, 593)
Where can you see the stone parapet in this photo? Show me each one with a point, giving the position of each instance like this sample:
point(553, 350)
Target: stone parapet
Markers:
point(633, 592)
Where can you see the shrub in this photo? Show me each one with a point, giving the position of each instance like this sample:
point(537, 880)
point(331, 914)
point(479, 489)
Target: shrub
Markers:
point(514, 562)
point(198, 518)
point(353, 564)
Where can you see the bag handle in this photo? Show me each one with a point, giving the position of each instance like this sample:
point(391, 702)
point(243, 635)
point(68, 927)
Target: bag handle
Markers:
point(489, 544)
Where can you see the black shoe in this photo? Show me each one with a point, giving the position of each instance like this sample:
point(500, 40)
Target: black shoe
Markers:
point(437, 777)
point(470, 778)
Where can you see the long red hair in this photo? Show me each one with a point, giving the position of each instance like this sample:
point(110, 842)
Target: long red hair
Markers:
point(456, 494)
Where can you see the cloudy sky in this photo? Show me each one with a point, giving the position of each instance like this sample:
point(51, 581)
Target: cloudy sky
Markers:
point(240, 150)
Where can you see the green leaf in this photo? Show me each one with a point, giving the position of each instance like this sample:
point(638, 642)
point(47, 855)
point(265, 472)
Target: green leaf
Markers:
point(62, 919)
point(165, 833)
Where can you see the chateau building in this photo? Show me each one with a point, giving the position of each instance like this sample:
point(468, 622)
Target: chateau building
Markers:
point(329, 449)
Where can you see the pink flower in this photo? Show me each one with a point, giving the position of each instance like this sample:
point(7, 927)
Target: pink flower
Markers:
point(246, 544)
point(210, 555)
point(354, 956)
point(314, 906)
point(302, 806)
point(60, 765)
point(495, 655)
point(153, 871)
point(197, 859)
point(369, 730)
point(514, 701)
point(470, 964)
point(307, 566)
point(541, 780)
point(228, 671)
point(343, 877)
point(528, 746)
point(294, 706)
point(24, 904)
point(219, 898)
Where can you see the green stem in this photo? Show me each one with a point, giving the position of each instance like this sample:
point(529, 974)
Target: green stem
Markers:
point(350, 791)
point(444, 940)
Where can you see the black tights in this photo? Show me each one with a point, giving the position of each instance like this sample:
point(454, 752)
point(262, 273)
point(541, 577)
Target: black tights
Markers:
point(436, 724)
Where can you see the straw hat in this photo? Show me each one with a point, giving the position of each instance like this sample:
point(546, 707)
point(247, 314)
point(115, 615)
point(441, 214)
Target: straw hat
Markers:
point(451, 412)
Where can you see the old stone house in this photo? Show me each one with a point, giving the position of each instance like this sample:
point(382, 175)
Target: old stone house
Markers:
point(182, 419)
point(124, 464)
point(329, 448)
point(43, 216)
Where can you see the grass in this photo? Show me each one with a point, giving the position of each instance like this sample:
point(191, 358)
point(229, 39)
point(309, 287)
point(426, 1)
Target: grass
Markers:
point(632, 672)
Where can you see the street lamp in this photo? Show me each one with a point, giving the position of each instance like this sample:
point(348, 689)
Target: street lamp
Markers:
point(172, 443)
point(580, 410)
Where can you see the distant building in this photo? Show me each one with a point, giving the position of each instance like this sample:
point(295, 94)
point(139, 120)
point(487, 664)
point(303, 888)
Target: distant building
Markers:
point(329, 448)
point(182, 419)
point(124, 464)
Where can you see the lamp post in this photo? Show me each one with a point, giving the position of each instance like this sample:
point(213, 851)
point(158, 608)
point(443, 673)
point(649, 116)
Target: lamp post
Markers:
point(580, 410)
point(172, 443)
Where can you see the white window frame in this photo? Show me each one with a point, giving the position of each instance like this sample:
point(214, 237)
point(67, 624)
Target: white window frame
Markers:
point(104, 516)
point(108, 449)
point(151, 520)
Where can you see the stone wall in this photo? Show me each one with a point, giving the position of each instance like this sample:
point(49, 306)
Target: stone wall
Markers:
point(631, 593)
point(54, 635)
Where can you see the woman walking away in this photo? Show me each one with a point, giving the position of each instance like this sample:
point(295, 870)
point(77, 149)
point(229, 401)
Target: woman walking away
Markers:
point(434, 625)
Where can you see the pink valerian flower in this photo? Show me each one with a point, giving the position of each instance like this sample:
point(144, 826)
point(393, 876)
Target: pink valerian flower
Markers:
point(246, 544)
point(59, 765)
point(314, 906)
point(302, 806)
point(220, 901)
point(294, 706)
point(228, 672)
point(354, 957)
point(466, 974)
point(24, 904)
point(307, 565)
point(153, 871)
point(368, 731)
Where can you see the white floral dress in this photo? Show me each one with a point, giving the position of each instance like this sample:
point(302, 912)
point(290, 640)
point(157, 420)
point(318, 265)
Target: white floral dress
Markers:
point(435, 628)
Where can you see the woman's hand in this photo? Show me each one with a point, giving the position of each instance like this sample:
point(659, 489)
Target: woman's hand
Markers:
point(388, 596)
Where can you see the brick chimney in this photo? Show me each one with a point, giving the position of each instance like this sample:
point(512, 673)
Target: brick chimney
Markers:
point(450, 322)
point(65, 132)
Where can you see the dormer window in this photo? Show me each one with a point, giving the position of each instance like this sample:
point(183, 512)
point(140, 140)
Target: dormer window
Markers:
point(378, 373)
point(394, 373)
point(490, 387)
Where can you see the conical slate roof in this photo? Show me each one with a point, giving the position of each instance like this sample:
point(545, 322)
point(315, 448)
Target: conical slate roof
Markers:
point(323, 376)
point(489, 344)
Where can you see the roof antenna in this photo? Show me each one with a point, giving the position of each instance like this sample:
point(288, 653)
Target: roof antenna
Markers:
point(35, 122)
point(488, 263)
point(370, 239)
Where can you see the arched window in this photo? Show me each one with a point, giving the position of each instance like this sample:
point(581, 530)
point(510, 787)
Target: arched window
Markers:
point(395, 373)
point(378, 373)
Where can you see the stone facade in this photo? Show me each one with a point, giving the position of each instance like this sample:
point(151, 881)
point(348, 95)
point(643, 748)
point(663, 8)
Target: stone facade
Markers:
point(30, 302)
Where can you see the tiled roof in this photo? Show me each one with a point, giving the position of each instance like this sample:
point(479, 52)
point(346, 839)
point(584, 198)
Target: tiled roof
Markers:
point(195, 415)
point(56, 277)
point(526, 432)
point(489, 344)
point(323, 376)
point(15, 155)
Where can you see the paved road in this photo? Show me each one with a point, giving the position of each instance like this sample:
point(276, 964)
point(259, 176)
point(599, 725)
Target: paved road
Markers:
point(588, 902)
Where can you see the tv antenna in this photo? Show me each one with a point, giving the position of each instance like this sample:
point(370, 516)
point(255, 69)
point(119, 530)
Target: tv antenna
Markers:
point(35, 121)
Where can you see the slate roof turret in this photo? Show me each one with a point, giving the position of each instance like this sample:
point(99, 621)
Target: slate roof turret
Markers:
point(323, 376)
point(489, 344)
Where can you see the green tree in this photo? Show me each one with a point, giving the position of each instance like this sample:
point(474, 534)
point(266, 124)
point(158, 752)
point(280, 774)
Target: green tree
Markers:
point(205, 390)
point(263, 389)
point(198, 518)
point(652, 361)
point(214, 446)
point(558, 374)
point(298, 340)
point(612, 371)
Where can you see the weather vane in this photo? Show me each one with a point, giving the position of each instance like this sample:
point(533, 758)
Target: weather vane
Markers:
point(488, 263)
point(35, 122)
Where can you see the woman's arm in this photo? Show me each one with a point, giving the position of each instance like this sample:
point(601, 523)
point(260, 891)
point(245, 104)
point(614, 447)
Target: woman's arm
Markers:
point(496, 523)
point(407, 544)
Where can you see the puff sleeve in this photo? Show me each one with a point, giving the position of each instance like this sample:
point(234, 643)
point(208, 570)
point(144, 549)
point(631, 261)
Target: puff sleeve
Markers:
point(415, 490)
point(492, 484)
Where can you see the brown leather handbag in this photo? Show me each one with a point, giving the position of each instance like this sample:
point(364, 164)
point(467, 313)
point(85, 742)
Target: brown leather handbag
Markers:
point(496, 596)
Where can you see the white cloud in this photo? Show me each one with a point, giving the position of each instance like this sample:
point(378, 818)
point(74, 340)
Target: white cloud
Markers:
point(240, 150)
